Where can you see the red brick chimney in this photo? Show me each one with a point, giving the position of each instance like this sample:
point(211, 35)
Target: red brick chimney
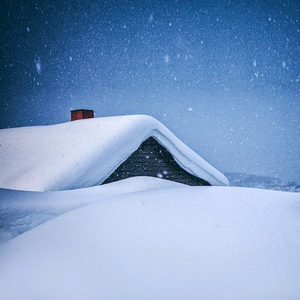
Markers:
point(81, 114)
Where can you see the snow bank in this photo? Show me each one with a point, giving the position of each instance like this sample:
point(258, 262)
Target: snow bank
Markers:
point(21, 211)
point(177, 242)
point(84, 153)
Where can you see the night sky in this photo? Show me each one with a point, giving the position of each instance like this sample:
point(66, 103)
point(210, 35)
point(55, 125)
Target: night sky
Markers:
point(224, 76)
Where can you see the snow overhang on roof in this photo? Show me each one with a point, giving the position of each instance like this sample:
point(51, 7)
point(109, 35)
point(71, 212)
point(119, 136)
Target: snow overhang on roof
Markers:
point(84, 153)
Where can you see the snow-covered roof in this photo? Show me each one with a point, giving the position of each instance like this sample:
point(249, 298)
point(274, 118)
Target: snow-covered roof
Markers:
point(84, 153)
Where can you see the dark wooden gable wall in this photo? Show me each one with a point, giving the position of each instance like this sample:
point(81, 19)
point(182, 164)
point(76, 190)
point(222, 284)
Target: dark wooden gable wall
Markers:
point(152, 159)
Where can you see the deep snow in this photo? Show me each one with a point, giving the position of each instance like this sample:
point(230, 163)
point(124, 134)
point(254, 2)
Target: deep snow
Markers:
point(21, 211)
point(139, 238)
point(147, 238)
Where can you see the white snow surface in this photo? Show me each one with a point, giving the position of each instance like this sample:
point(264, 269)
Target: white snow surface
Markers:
point(148, 238)
point(84, 153)
point(21, 211)
point(139, 238)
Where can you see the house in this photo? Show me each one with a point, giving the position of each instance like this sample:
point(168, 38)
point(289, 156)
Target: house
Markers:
point(94, 151)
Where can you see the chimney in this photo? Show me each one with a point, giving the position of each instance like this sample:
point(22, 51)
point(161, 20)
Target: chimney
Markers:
point(80, 114)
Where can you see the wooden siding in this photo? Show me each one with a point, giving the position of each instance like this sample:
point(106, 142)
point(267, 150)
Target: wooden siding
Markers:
point(152, 159)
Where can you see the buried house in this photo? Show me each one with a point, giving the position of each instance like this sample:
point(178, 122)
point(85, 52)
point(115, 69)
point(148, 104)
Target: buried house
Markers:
point(89, 152)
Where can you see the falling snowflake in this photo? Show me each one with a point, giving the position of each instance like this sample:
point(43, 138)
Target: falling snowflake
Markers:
point(38, 65)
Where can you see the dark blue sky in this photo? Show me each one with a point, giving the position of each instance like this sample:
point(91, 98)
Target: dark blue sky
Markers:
point(224, 76)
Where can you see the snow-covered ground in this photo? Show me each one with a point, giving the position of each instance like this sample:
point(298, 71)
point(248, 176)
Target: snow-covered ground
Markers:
point(147, 238)
point(262, 182)
point(21, 211)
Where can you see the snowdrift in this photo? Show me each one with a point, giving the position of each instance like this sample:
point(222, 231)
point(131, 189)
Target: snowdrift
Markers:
point(139, 238)
point(84, 153)
point(155, 241)
point(21, 211)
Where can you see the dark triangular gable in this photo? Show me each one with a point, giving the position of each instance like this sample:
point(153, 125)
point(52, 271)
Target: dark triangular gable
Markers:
point(152, 159)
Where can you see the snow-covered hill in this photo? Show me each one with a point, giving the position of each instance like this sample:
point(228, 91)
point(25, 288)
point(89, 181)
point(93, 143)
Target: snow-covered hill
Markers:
point(262, 182)
point(147, 238)
point(21, 211)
